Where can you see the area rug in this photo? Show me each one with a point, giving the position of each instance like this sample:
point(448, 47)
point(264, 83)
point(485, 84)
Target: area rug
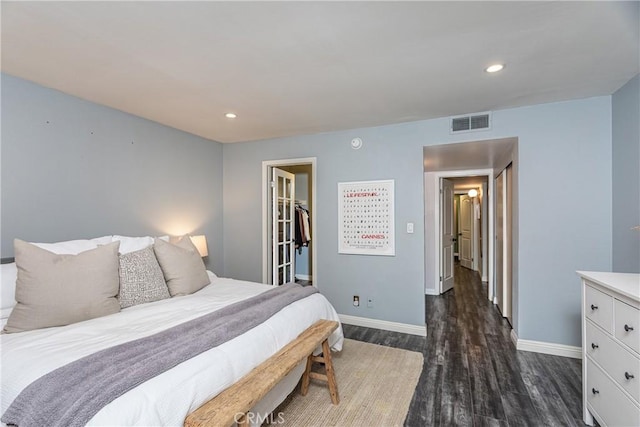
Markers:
point(375, 384)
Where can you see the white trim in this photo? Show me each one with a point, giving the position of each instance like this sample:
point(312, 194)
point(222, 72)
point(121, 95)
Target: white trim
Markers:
point(431, 292)
point(453, 174)
point(546, 347)
point(303, 277)
point(514, 337)
point(312, 198)
point(384, 325)
point(484, 279)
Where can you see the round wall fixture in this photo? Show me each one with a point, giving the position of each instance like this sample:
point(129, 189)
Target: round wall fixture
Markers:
point(356, 143)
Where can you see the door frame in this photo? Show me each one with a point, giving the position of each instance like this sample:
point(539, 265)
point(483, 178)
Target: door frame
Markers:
point(266, 245)
point(500, 240)
point(437, 225)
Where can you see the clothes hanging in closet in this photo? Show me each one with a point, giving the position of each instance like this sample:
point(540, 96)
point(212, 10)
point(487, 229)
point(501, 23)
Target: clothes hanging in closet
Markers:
point(303, 233)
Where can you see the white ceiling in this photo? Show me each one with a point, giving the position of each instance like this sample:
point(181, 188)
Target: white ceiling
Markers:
point(289, 68)
point(486, 154)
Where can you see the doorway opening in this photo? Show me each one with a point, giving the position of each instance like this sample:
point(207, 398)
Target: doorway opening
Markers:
point(288, 221)
point(465, 221)
point(483, 158)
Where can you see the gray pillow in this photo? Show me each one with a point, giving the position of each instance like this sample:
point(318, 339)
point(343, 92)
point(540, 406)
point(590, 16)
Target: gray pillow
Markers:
point(141, 278)
point(181, 265)
point(57, 290)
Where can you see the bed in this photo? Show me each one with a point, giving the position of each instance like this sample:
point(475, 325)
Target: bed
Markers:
point(167, 398)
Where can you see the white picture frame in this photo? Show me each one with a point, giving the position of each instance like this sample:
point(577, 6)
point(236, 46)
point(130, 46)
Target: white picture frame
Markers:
point(366, 218)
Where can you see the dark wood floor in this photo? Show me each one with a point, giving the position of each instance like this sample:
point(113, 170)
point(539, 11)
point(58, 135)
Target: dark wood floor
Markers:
point(472, 373)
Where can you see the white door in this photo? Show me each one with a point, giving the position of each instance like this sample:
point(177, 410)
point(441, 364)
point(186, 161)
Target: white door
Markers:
point(507, 279)
point(465, 231)
point(499, 248)
point(446, 235)
point(283, 227)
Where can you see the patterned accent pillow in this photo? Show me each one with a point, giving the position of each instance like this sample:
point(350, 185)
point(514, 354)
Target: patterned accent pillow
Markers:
point(141, 279)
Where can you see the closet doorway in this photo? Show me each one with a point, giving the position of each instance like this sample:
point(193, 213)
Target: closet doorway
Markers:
point(288, 226)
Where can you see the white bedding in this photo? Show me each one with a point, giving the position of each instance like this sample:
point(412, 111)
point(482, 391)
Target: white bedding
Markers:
point(169, 397)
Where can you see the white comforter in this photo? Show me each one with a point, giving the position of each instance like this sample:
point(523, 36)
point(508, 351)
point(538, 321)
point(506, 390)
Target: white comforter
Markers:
point(169, 397)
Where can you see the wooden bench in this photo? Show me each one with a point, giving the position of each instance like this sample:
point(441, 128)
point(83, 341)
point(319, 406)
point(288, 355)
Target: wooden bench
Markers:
point(224, 409)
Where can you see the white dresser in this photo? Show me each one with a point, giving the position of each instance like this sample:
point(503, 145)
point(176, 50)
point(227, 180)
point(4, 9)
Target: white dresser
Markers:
point(611, 348)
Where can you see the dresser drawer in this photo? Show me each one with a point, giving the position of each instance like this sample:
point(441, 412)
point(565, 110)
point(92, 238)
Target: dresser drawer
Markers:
point(621, 364)
point(627, 325)
point(598, 307)
point(609, 403)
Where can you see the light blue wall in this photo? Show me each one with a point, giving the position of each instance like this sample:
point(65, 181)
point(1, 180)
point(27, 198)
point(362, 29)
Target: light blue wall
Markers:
point(133, 177)
point(626, 177)
point(564, 199)
point(564, 210)
point(73, 169)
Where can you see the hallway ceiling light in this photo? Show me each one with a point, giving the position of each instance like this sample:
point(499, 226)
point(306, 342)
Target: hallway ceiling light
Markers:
point(473, 192)
point(230, 116)
point(494, 68)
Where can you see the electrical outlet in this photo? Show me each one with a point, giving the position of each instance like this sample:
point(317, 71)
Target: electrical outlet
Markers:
point(369, 302)
point(356, 301)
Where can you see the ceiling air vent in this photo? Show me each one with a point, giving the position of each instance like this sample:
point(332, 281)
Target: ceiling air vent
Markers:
point(470, 123)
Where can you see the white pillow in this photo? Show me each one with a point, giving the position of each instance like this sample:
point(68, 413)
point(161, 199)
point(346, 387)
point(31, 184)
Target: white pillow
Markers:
point(8, 277)
point(74, 247)
point(132, 244)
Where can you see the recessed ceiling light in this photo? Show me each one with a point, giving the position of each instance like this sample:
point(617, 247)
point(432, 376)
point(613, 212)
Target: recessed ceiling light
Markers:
point(494, 68)
point(230, 116)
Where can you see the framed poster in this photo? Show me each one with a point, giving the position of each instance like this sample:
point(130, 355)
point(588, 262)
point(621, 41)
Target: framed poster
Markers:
point(366, 218)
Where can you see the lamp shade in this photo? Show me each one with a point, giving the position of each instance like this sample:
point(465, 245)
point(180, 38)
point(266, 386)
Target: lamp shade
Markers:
point(200, 243)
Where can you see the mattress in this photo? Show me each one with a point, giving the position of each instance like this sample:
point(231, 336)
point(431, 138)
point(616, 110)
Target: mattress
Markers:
point(169, 397)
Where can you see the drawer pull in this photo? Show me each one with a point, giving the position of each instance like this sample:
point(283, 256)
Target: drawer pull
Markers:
point(594, 307)
point(594, 346)
point(628, 328)
point(594, 391)
point(628, 376)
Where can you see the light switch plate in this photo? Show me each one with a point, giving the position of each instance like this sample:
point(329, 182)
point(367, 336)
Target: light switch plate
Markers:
point(409, 227)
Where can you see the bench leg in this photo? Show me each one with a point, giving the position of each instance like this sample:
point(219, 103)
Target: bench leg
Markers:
point(306, 378)
point(331, 376)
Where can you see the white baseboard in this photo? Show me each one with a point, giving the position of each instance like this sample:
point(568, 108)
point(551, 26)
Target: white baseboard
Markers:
point(431, 292)
point(514, 338)
point(546, 347)
point(385, 325)
point(303, 277)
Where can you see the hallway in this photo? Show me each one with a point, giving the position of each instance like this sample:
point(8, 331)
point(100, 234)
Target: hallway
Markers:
point(472, 374)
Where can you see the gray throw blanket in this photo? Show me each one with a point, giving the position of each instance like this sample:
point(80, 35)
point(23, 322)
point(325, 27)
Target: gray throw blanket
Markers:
point(72, 394)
